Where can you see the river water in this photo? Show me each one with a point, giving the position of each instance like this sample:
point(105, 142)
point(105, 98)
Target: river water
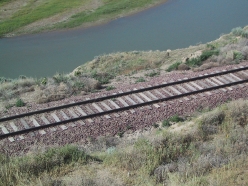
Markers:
point(174, 24)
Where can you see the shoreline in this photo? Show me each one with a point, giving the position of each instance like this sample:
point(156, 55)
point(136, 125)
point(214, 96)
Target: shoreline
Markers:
point(86, 25)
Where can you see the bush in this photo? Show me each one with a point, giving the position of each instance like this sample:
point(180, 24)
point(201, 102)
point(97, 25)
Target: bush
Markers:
point(78, 85)
point(166, 123)
point(20, 103)
point(245, 34)
point(237, 56)
point(176, 118)
point(155, 125)
point(204, 56)
point(240, 32)
point(58, 78)
point(174, 66)
point(102, 78)
point(208, 53)
point(237, 31)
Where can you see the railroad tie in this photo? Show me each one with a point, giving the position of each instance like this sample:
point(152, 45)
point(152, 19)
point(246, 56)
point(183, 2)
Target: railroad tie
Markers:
point(105, 105)
point(190, 87)
point(151, 95)
point(80, 111)
point(156, 105)
point(132, 111)
point(123, 102)
point(56, 118)
point(196, 85)
point(174, 90)
point(160, 94)
point(130, 100)
point(5, 131)
point(114, 104)
point(182, 88)
point(72, 113)
point(64, 115)
point(97, 107)
point(52, 129)
point(138, 98)
point(36, 124)
point(167, 92)
point(89, 110)
point(144, 96)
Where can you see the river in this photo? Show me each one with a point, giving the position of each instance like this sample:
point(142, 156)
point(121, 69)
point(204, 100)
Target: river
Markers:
point(174, 24)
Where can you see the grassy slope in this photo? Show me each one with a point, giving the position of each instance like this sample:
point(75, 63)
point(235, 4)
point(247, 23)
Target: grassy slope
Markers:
point(31, 13)
point(210, 149)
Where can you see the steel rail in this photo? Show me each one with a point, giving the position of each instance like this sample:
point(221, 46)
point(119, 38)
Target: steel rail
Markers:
point(122, 94)
point(121, 109)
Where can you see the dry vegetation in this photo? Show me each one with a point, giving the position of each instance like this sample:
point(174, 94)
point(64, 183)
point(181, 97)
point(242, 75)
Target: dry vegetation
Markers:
point(209, 149)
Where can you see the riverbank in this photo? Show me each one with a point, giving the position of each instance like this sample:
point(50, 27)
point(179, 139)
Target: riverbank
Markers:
point(18, 17)
point(106, 72)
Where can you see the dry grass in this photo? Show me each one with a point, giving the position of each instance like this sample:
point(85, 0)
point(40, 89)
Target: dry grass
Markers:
point(210, 149)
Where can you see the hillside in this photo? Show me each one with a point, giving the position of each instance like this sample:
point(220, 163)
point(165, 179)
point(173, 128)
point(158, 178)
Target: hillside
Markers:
point(205, 147)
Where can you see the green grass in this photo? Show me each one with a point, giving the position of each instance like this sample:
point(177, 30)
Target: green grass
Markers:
point(204, 56)
point(109, 9)
point(174, 66)
point(28, 14)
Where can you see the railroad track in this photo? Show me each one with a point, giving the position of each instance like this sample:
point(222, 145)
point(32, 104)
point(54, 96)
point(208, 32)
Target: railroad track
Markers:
point(57, 118)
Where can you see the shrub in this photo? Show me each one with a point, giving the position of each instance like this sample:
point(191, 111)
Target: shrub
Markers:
point(237, 31)
point(19, 103)
point(237, 56)
point(245, 34)
point(155, 125)
point(204, 56)
point(166, 123)
point(78, 85)
point(174, 66)
point(176, 118)
point(58, 78)
point(102, 78)
point(208, 53)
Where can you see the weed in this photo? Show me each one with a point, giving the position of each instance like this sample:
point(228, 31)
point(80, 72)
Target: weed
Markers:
point(155, 125)
point(141, 79)
point(174, 66)
point(19, 103)
point(43, 81)
point(166, 123)
point(204, 56)
point(176, 118)
point(110, 88)
point(78, 85)
point(237, 31)
point(102, 78)
point(152, 74)
point(59, 78)
point(120, 134)
point(237, 56)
